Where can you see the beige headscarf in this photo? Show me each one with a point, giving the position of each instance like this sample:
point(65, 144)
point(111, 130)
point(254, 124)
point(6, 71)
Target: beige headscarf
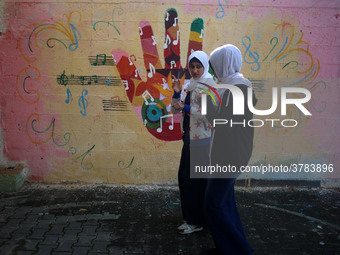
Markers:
point(226, 61)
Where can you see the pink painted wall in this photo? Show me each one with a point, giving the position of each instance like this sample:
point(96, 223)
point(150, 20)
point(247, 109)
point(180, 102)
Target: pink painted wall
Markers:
point(70, 119)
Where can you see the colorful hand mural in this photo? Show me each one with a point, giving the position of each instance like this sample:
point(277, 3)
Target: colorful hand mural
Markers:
point(151, 98)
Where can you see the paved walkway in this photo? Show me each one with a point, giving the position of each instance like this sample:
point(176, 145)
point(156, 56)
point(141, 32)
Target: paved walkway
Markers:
point(92, 219)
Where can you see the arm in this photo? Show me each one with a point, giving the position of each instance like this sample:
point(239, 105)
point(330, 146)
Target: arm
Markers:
point(175, 103)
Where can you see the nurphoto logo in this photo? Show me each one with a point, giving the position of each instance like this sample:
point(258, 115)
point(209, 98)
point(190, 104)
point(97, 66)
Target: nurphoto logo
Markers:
point(238, 105)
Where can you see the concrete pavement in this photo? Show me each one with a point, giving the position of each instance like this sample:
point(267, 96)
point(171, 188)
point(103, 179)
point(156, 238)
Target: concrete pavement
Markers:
point(106, 219)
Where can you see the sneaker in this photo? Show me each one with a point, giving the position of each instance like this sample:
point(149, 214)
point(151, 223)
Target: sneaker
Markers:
point(188, 229)
point(183, 226)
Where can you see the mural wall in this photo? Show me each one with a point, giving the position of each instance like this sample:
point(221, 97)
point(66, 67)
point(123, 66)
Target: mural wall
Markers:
point(86, 86)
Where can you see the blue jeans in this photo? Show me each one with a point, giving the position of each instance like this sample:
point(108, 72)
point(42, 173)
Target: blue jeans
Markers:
point(223, 218)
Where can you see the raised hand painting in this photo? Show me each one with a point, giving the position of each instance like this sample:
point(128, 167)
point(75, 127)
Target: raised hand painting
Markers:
point(151, 98)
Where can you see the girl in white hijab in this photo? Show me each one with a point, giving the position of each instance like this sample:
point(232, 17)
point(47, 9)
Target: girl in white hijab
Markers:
point(196, 140)
point(193, 86)
point(231, 146)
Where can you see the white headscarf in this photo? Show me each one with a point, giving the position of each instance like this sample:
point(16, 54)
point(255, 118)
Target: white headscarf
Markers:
point(204, 59)
point(206, 76)
point(226, 61)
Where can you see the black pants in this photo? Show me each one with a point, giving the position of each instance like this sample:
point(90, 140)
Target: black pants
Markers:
point(192, 191)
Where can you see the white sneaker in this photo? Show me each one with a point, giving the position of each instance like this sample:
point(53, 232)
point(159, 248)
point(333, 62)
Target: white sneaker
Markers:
point(188, 229)
point(183, 226)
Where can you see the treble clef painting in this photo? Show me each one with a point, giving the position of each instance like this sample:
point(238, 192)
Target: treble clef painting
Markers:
point(83, 103)
point(63, 79)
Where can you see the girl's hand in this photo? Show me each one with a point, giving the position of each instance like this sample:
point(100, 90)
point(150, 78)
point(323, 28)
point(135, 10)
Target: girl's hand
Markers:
point(200, 93)
point(176, 84)
point(178, 106)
